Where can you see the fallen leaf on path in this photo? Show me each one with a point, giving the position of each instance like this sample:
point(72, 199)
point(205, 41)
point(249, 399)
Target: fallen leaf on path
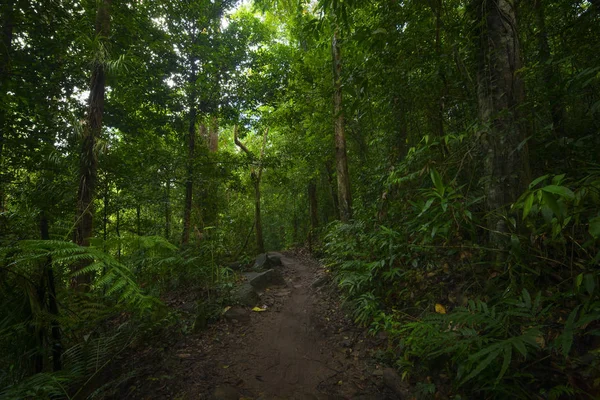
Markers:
point(440, 309)
point(258, 309)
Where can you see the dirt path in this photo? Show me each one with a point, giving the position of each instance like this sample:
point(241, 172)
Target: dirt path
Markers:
point(301, 347)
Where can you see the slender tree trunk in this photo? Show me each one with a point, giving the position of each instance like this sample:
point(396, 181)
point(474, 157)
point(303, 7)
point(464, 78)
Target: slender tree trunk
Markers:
point(88, 163)
point(333, 192)
point(500, 94)
point(168, 209)
point(7, 14)
point(260, 243)
point(189, 184)
point(138, 213)
point(118, 232)
point(551, 74)
point(439, 107)
point(105, 219)
point(312, 201)
point(52, 304)
point(255, 176)
point(343, 177)
point(6, 34)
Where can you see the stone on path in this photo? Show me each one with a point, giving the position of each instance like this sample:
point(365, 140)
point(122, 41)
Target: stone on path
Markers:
point(267, 279)
point(237, 314)
point(246, 295)
point(266, 261)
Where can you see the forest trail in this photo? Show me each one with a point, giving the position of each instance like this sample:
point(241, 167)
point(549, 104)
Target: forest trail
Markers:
point(301, 347)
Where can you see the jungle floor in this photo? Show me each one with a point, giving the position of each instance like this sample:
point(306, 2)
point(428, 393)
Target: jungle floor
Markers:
point(303, 346)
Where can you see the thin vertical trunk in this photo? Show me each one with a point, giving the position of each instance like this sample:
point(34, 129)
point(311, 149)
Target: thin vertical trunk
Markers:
point(6, 35)
point(312, 202)
point(105, 216)
point(343, 177)
point(439, 107)
point(88, 163)
point(500, 94)
point(118, 231)
point(52, 305)
point(168, 209)
point(334, 196)
point(260, 243)
point(255, 176)
point(7, 15)
point(550, 73)
point(189, 184)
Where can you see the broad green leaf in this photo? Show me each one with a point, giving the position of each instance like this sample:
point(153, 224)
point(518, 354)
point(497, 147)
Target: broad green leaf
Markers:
point(536, 181)
point(566, 339)
point(594, 228)
point(551, 202)
point(527, 206)
point(590, 283)
point(437, 181)
point(560, 190)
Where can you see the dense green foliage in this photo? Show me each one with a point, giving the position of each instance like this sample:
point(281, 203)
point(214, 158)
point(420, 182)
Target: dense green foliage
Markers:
point(479, 299)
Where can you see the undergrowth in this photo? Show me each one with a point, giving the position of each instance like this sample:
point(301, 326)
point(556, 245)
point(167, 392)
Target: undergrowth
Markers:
point(524, 327)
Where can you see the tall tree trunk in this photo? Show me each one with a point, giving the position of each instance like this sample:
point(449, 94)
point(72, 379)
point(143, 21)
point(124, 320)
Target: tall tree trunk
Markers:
point(314, 216)
point(312, 202)
point(255, 176)
point(260, 243)
point(551, 74)
point(168, 209)
point(88, 163)
point(52, 304)
point(7, 15)
point(189, 184)
point(341, 159)
point(500, 93)
point(333, 192)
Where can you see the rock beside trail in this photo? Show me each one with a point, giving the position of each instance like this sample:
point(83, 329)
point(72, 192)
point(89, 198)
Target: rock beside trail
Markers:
point(246, 295)
point(267, 261)
point(393, 381)
point(267, 279)
point(274, 260)
point(320, 282)
point(238, 314)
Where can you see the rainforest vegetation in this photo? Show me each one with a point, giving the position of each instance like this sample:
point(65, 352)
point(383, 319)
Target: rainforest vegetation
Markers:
point(441, 157)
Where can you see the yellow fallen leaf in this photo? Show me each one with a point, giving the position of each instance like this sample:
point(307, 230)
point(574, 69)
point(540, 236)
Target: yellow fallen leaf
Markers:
point(440, 309)
point(226, 309)
point(258, 309)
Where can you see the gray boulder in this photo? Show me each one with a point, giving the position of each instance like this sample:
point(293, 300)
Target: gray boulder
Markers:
point(267, 279)
point(274, 260)
point(238, 314)
point(261, 262)
point(246, 295)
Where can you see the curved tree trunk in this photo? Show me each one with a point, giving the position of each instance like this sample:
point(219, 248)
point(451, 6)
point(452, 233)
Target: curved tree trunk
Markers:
point(500, 94)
